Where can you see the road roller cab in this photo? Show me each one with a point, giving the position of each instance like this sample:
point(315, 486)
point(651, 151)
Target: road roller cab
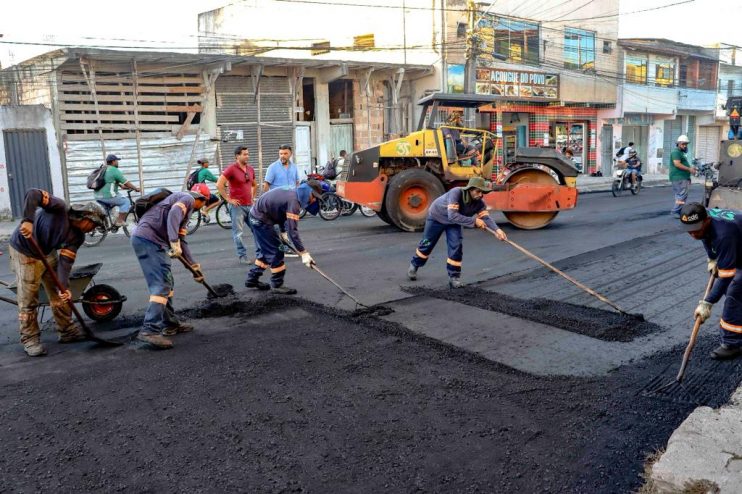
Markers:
point(399, 179)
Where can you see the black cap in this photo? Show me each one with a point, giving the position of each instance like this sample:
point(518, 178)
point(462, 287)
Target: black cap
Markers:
point(692, 216)
point(112, 157)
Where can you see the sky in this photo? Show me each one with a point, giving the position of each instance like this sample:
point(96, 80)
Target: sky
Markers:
point(170, 24)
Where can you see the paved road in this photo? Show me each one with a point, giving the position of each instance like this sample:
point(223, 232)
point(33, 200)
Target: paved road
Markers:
point(304, 398)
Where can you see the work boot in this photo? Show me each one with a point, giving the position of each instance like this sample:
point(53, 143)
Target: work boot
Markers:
point(154, 339)
point(454, 282)
point(725, 352)
point(283, 290)
point(181, 328)
point(244, 260)
point(72, 337)
point(257, 284)
point(412, 272)
point(34, 349)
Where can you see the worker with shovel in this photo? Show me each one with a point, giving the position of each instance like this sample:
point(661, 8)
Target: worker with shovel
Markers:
point(460, 206)
point(48, 225)
point(721, 233)
point(158, 236)
point(280, 207)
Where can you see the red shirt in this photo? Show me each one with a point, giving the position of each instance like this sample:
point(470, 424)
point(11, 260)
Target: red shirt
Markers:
point(240, 183)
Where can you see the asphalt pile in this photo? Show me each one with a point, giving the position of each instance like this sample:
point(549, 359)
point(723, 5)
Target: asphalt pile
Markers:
point(597, 323)
point(277, 395)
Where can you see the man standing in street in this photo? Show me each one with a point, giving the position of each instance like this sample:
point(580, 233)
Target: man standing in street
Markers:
point(48, 221)
point(109, 193)
point(159, 235)
point(680, 172)
point(460, 206)
point(279, 208)
point(282, 173)
point(240, 177)
point(720, 231)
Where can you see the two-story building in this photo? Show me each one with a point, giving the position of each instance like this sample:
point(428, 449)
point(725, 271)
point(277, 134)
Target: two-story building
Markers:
point(667, 89)
point(730, 85)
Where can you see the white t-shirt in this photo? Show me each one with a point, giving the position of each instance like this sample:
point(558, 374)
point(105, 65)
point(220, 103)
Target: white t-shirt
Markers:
point(626, 153)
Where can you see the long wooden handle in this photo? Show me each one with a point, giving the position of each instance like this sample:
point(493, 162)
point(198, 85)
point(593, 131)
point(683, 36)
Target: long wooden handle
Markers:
point(197, 274)
point(693, 335)
point(563, 275)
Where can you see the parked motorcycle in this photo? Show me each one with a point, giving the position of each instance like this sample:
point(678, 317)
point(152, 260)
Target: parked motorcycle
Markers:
point(709, 171)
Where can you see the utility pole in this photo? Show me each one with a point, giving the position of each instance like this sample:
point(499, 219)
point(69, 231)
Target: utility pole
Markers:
point(472, 50)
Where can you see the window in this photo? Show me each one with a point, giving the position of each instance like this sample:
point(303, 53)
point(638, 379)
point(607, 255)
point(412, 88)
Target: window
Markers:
point(579, 49)
point(636, 68)
point(607, 47)
point(664, 72)
point(461, 28)
point(517, 41)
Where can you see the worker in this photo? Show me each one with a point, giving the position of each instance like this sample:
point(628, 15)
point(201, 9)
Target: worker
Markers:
point(680, 173)
point(158, 236)
point(54, 227)
point(280, 207)
point(460, 206)
point(721, 233)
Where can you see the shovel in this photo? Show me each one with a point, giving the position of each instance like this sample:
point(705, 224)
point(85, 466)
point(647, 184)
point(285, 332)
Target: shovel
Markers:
point(219, 291)
point(78, 316)
point(569, 278)
point(693, 335)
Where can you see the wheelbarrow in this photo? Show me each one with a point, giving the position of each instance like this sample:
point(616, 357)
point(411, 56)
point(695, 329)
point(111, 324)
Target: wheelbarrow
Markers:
point(100, 302)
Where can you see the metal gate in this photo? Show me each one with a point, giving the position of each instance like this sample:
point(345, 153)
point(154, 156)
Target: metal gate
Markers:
point(27, 158)
point(673, 129)
point(709, 138)
point(606, 149)
point(342, 138)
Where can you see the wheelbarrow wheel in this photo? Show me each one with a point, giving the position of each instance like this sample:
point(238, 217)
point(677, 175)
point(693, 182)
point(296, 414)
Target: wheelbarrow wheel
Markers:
point(99, 310)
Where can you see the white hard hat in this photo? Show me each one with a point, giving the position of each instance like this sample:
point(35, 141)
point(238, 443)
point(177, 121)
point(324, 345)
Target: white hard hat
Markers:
point(683, 138)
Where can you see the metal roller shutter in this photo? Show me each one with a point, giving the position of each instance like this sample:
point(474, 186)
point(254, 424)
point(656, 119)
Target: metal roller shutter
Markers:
point(671, 134)
point(708, 143)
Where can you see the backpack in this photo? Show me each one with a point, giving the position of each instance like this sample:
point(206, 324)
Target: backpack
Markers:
point(330, 171)
point(97, 178)
point(192, 179)
point(620, 152)
point(145, 202)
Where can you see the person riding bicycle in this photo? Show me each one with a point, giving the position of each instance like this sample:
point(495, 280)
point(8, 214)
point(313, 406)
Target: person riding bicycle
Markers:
point(205, 175)
point(108, 195)
point(633, 167)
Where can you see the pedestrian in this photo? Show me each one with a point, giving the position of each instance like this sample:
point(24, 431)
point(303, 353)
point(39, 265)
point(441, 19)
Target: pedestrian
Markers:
point(54, 227)
point(279, 209)
point(205, 175)
point(720, 231)
point(158, 236)
point(108, 194)
point(680, 172)
point(240, 178)
point(282, 173)
point(460, 206)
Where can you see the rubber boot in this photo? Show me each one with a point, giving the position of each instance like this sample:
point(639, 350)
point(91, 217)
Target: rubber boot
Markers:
point(34, 349)
point(412, 272)
point(726, 352)
point(283, 290)
point(454, 282)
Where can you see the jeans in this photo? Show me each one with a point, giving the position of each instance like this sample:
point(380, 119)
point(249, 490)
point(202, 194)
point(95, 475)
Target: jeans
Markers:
point(240, 215)
point(267, 254)
point(122, 202)
point(431, 235)
point(159, 277)
point(680, 188)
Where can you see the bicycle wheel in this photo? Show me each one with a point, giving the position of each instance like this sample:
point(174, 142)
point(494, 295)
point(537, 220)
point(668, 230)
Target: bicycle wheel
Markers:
point(95, 237)
point(367, 212)
point(347, 207)
point(223, 217)
point(329, 206)
point(129, 223)
point(193, 222)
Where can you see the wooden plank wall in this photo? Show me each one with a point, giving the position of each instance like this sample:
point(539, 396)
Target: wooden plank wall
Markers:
point(163, 103)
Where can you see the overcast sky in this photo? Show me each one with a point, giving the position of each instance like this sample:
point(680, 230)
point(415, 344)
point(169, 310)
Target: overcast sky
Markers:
point(163, 24)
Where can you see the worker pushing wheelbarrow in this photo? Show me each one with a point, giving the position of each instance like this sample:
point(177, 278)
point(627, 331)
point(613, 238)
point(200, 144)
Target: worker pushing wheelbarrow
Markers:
point(99, 302)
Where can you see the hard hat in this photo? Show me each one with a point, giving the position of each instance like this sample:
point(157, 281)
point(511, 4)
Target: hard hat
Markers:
point(202, 190)
point(683, 138)
point(90, 211)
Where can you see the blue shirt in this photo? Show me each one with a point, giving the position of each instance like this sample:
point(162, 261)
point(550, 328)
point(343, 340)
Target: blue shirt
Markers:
point(280, 176)
point(722, 242)
point(450, 209)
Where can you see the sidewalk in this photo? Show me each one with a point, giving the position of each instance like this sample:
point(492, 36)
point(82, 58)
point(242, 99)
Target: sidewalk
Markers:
point(6, 229)
point(587, 184)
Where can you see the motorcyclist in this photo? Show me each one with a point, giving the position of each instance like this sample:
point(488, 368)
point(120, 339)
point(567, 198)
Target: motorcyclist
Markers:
point(633, 168)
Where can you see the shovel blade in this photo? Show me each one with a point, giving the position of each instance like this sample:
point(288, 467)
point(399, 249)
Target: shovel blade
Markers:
point(221, 290)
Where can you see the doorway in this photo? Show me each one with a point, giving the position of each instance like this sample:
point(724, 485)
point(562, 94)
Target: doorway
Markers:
point(638, 134)
point(27, 158)
point(572, 135)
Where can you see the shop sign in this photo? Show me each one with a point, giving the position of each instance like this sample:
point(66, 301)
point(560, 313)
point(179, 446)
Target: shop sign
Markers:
point(517, 83)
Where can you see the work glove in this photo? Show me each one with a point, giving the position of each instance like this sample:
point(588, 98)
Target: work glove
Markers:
point(703, 311)
point(285, 238)
point(175, 250)
point(27, 229)
point(307, 259)
point(711, 267)
point(198, 276)
point(66, 295)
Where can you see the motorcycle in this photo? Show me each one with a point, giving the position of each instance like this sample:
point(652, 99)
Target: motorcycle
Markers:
point(709, 171)
point(622, 181)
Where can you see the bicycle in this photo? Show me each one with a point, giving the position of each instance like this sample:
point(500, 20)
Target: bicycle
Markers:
point(100, 233)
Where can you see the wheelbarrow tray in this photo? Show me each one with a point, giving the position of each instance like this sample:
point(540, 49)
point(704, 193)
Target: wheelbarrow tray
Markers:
point(80, 278)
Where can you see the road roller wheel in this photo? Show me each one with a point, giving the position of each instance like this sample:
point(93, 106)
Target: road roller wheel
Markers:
point(384, 216)
point(531, 220)
point(410, 194)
